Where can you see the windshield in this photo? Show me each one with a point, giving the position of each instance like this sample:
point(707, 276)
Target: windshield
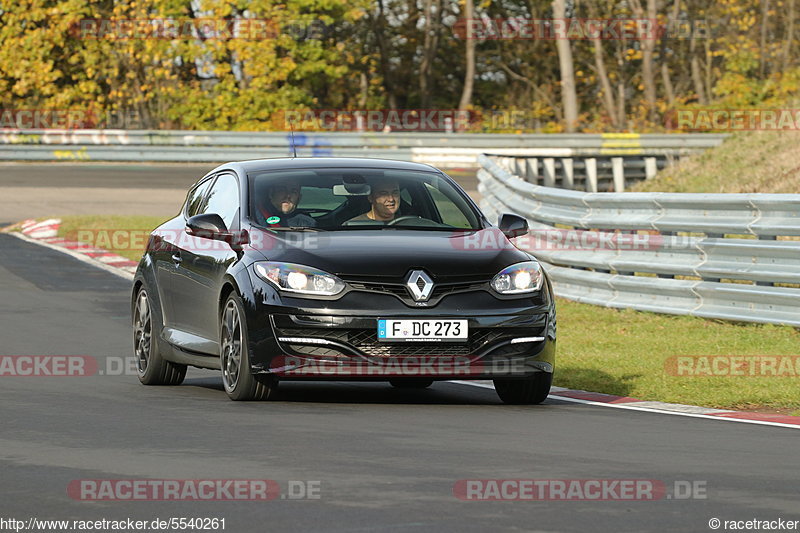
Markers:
point(357, 199)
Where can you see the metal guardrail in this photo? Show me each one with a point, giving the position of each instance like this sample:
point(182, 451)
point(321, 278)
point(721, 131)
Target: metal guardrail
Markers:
point(726, 256)
point(591, 172)
point(441, 149)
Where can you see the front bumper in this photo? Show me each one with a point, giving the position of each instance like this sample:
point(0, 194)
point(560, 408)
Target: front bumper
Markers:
point(296, 338)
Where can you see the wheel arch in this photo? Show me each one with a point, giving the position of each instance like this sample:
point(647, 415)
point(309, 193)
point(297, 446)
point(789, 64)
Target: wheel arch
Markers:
point(229, 285)
point(138, 283)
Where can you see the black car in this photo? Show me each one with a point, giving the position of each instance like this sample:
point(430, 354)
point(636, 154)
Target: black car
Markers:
point(343, 269)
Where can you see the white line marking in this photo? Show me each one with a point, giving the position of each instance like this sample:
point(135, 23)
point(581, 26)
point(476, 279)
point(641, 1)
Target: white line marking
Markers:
point(648, 409)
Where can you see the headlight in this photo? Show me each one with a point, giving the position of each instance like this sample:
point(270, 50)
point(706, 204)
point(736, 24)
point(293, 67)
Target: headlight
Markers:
point(299, 279)
point(519, 278)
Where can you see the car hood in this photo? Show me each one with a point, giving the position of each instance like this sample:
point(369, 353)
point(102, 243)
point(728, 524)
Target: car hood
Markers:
point(392, 253)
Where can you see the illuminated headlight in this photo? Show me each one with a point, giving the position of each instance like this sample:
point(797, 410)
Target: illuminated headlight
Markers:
point(519, 278)
point(299, 279)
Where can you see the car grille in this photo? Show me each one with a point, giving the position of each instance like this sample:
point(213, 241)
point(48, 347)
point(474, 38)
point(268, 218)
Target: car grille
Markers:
point(365, 341)
point(400, 290)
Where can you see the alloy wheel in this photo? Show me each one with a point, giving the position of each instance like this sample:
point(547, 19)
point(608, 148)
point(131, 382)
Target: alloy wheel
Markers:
point(142, 332)
point(231, 346)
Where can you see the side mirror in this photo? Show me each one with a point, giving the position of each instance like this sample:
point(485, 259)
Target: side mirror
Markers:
point(512, 225)
point(209, 226)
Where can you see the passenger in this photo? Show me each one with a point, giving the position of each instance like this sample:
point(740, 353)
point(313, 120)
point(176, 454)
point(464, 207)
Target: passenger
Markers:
point(384, 199)
point(283, 197)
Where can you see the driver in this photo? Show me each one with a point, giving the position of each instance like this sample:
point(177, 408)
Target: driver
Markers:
point(282, 198)
point(384, 199)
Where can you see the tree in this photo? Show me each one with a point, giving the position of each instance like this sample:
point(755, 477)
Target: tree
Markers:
point(469, 57)
point(647, 43)
point(569, 95)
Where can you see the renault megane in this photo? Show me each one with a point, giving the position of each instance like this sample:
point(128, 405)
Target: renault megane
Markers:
point(344, 269)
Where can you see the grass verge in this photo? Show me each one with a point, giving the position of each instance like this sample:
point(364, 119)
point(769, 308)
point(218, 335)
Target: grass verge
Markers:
point(124, 235)
point(747, 162)
point(626, 352)
point(620, 352)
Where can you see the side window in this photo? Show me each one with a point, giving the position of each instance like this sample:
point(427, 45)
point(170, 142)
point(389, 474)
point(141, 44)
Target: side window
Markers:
point(450, 213)
point(195, 203)
point(224, 198)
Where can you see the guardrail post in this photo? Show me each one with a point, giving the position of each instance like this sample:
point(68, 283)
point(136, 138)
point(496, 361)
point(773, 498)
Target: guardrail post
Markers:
point(591, 174)
point(650, 167)
point(569, 175)
point(549, 165)
point(519, 168)
point(618, 168)
point(532, 170)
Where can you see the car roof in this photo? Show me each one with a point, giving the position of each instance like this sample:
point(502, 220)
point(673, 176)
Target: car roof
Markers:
point(290, 163)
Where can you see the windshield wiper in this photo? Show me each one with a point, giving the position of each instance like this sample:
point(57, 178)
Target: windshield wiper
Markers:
point(296, 228)
point(379, 227)
point(355, 227)
point(370, 227)
point(428, 228)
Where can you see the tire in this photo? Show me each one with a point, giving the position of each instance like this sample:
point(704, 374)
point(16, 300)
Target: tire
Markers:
point(415, 383)
point(240, 384)
point(527, 391)
point(151, 366)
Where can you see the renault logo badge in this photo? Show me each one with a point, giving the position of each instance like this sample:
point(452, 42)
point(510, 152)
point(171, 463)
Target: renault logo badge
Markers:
point(420, 285)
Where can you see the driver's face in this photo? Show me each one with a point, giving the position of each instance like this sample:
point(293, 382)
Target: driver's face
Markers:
point(385, 199)
point(285, 196)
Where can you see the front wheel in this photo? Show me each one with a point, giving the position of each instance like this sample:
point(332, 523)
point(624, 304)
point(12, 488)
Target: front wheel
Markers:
point(525, 391)
point(239, 382)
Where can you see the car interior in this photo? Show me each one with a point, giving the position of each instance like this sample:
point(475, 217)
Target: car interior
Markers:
point(319, 198)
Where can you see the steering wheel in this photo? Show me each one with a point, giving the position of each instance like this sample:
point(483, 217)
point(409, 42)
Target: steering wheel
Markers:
point(407, 217)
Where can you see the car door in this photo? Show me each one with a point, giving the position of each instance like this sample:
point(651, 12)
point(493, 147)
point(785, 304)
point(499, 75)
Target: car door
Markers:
point(203, 263)
point(165, 249)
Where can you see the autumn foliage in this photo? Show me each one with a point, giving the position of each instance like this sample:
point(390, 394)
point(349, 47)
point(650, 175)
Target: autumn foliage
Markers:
point(236, 65)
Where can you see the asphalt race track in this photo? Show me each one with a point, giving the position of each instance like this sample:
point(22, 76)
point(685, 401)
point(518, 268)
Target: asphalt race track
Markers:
point(55, 189)
point(384, 460)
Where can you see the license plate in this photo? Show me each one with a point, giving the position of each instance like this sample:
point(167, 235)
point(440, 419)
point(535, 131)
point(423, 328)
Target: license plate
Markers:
point(422, 330)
